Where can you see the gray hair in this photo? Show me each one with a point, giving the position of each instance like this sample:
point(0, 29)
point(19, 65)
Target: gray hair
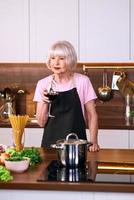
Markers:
point(65, 49)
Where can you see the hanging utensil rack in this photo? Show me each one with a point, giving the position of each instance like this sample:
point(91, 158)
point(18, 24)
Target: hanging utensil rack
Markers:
point(108, 66)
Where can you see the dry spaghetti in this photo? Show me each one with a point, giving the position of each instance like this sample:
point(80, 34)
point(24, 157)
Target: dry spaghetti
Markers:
point(18, 123)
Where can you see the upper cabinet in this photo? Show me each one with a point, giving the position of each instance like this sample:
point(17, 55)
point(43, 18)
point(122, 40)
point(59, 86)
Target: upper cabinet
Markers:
point(100, 30)
point(14, 31)
point(51, 21)
point(104, 30)
point(132, 30)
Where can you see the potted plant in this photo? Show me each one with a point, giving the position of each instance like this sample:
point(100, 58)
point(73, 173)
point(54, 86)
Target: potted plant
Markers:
point(132, 113)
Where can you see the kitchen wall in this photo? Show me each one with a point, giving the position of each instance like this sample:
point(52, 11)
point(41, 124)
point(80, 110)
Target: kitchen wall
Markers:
point(100, 30)
point(24, 76)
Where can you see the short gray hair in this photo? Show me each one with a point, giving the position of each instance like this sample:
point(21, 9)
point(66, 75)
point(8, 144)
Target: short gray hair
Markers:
point(65, 49)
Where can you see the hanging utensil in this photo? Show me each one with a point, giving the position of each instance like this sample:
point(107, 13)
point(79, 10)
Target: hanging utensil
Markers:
point(104, 92)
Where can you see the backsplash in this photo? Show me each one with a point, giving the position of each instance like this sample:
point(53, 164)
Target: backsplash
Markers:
point(23, 77)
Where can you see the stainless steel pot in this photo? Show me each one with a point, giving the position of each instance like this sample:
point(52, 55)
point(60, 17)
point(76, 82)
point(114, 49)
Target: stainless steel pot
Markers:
point(72, 152)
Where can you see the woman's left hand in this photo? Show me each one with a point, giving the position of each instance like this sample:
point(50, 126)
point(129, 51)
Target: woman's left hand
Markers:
point(94, 147)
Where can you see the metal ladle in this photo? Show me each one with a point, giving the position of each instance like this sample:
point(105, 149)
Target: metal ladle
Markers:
point(104, 92)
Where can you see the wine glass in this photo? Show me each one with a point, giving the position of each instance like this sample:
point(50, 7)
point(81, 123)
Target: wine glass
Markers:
point(51, 95)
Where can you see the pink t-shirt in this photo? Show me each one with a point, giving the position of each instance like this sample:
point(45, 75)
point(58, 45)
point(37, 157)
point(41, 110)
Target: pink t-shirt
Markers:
point(81, 82)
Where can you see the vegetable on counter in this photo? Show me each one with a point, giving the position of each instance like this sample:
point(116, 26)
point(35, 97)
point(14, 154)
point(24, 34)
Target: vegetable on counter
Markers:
point(10, 151)
point(17, 158)
point(5, 175)
point(2, 148)
point(32, 153)
point(3, 156)
point(11, 154)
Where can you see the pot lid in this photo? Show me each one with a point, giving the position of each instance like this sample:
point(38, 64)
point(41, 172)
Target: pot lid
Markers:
point(72, 139)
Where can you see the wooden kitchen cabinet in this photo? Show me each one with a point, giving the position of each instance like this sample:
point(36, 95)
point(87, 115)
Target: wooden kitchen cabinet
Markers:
point(104, 30)
point(14, 31)
point(51, 21)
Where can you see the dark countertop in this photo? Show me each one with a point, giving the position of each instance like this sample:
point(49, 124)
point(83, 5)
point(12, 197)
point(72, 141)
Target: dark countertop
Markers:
point(116, 123)
point(27, 180)
point(104, 123)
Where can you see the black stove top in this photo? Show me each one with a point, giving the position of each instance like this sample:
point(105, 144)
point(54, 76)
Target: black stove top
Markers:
point(88, 173)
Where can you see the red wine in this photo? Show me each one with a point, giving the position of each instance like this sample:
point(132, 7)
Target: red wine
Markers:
point(52, 96)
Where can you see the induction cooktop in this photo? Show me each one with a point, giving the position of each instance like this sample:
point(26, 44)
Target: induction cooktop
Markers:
point(92, 172)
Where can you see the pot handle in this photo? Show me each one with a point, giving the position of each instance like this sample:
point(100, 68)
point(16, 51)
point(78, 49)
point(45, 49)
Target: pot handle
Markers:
point(72, 134)
point(57, 146)
point(89, 144)
point(53, 146)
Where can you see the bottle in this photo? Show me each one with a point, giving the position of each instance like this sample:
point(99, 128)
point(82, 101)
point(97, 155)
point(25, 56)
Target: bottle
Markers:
point(127, 99)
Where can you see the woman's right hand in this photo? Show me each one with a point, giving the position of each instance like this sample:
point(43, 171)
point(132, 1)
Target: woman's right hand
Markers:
point(44, 96)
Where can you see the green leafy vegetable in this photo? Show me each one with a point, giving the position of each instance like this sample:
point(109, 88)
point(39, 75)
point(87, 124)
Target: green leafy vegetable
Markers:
point(16, 158)
point(5, 175)
point(132, 113)
point(31, 153)
point(10, 151)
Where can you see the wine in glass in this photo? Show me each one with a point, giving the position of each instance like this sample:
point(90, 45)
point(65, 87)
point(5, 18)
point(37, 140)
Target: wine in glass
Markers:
point(52, 96)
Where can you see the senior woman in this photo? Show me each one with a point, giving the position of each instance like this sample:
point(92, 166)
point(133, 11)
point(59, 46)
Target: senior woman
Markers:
point(74, 104)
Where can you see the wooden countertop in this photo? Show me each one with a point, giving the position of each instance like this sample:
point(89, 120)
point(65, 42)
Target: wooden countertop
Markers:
point(104, 123)
point(27, 180)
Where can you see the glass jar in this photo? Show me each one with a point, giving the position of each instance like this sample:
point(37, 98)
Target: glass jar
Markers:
point(6, 110)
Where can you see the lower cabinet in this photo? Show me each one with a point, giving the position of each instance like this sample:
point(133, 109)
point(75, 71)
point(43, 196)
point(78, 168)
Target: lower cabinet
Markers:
point(6, 136)
point(131, 139)
point(115, 139)
point(33, 137)
point(59, 195)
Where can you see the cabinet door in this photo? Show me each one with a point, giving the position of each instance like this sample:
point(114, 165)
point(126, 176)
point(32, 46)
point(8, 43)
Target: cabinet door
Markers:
point(104, 30)
point(116, 139)
point(51, 21)
point(14, 36)
point(132, 30)
point(33, 137)
point(6, 136)
point(132, 139)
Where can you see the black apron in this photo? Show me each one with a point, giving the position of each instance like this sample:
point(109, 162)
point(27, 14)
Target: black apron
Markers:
point(68, 118)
